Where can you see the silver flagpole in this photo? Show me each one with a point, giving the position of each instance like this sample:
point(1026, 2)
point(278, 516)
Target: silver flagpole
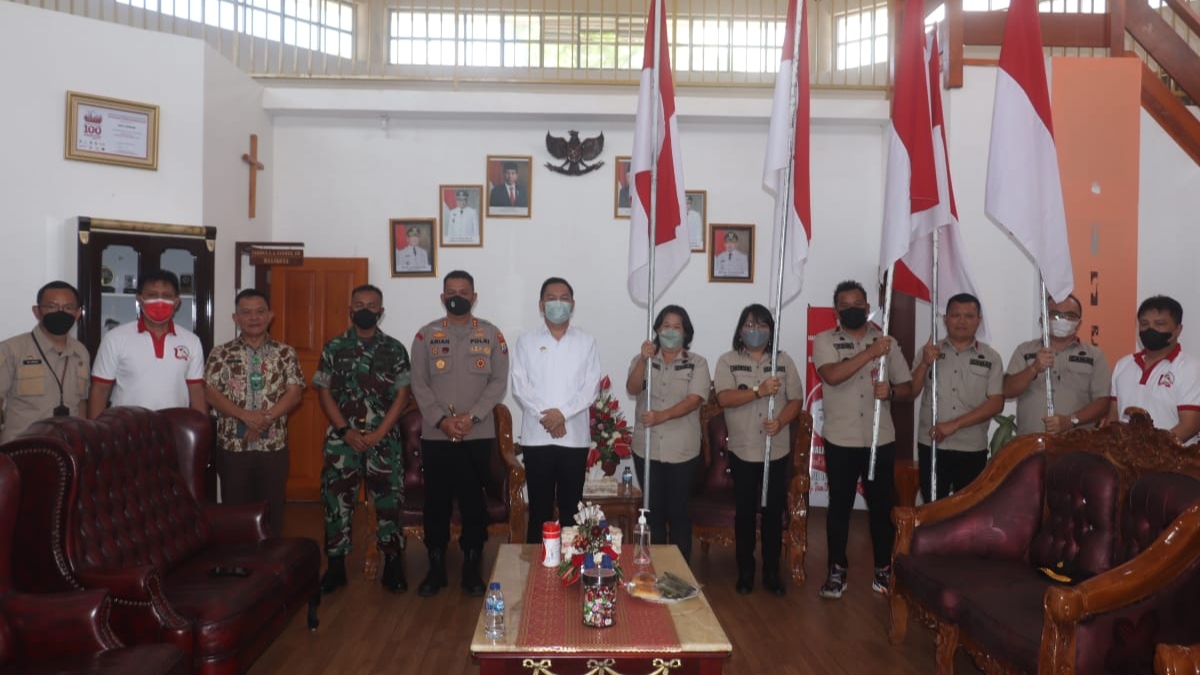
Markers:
point(933, 370)
point(1046, 344)
point(651, 222)
point(881, 376)
point(782, 219)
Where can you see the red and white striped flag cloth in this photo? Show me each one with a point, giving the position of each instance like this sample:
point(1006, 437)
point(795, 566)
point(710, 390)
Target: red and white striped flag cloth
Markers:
point(1024, 189)
point(782, 149)
point(671, 247)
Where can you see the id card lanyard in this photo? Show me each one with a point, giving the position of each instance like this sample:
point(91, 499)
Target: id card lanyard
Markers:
point(62, 410)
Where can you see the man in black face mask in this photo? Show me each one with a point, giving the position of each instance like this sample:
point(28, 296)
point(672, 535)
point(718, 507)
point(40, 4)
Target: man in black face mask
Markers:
point(362, 383)
point(460, 372)
point(847, 359)
point(1161, 378)
point(45, 372)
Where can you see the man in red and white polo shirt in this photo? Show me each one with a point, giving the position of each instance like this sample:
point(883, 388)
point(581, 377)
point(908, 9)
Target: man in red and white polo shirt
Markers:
point(150, 362)
point(1160, 379)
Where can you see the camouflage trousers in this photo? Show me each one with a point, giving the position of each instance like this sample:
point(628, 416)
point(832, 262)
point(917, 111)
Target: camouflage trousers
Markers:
point(381, 469)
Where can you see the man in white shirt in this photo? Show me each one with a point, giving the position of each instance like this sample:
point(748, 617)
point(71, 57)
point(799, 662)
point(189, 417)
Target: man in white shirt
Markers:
point(732, 262)
point(555, 377)
point(150, 362)
point(1161, 379)
point(695, 223)
point(462, 222)
point(412, 258)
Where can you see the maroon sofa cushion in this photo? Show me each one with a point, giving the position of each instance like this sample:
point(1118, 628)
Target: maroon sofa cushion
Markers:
point(1005, 616)
point(1080, 529)
point(1155, 500)
point(941, 583)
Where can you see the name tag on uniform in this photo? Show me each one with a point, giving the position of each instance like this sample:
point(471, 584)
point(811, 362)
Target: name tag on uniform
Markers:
point(31, 362)
point(843, 345)
point(685, 366)
point(1082, 358)
point(780, 368)
point(740, 369)
point(981, 362)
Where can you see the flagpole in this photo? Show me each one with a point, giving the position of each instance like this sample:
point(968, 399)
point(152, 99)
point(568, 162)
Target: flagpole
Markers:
point(933, 369)
point(651, 224)
point(782, 217)
point(881, 376)
point(1046, 344)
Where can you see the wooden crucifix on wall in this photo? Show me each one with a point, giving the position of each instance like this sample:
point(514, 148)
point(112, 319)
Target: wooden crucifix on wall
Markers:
point(251, 158)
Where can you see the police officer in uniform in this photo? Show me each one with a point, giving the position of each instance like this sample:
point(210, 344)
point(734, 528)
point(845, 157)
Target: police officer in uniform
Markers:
point(744, 386)
point(460, 372)
point(970, 393)
point(847, 360)
point(45, 372)
point(1082, 378)
point(363, 384)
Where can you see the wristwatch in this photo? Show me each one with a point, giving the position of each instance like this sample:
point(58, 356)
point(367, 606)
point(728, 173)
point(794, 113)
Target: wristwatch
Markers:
point(475, 419)
point(1074, 421)
point(340, 432)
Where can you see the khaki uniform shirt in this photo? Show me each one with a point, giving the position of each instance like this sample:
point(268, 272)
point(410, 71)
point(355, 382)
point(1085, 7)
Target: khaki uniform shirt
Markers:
point(30, 389)
point(1081, 375)
point(738, 370)
point(849, 407)
point(231, 369)
point(965, 380)
point(676, 440)
point(459, 369)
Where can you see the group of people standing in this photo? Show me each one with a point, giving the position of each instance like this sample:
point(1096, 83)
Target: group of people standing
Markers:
point(459, 369)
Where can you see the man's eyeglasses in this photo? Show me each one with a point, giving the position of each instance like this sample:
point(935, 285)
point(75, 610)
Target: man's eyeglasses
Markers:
point(47, 309)
point(1069, 316)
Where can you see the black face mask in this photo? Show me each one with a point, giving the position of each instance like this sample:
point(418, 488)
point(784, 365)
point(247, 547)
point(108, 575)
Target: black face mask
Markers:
point(853, 317)
point(1154, 340)
point(457, 305)
point(364, 318)
point(58, 323)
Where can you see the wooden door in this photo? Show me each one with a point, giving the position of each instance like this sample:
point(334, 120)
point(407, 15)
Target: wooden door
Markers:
point(312, 305)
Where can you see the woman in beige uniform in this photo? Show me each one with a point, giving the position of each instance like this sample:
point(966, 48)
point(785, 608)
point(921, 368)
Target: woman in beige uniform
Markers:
point(679, 384)
point(744, 387)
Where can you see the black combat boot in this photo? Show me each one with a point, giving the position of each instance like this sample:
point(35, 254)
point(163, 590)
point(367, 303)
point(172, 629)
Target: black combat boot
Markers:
point(771, 579)
point(472, 578)
point(436, 579)
point(393, 578)
point(335, 574)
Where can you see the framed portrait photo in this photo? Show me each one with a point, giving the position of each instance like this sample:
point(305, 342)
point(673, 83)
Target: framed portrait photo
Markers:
point(510, 186)
point(731, 253)
point(460, 206)
point(697, 219)
point(622, 187)
point(413, 250)
point(111, 131)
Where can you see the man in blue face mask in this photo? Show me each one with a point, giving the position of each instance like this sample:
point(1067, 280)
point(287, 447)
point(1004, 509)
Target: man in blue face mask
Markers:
point(555, 376)
point(1161, 378)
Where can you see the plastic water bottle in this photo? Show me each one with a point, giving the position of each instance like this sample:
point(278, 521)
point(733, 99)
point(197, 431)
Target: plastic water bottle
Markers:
point(627, 482)
point(493, 616)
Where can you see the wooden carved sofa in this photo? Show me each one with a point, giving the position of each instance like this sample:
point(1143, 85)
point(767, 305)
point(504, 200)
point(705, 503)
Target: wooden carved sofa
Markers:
point(1116, 509)
point(712, 501)
point(117, 503)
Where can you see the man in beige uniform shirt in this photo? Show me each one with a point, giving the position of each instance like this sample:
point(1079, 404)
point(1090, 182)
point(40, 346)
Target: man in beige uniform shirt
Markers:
point(1082, 378)
point(847, 359)
point(45, 372)
point(970, 393)
point(459, 373)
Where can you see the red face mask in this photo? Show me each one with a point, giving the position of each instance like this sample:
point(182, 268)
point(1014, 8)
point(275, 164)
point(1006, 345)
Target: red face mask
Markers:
point(158, 311)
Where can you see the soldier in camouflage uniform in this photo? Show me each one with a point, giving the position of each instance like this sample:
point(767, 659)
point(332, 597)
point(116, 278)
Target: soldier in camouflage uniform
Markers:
point(363, 385)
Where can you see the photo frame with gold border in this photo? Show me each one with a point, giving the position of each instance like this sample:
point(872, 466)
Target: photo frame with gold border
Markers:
point(408, 263)
point(730, 270)
point(111, 131)
point(449, 237)
point(622, 187)
point(698, 198)
point(496, 206)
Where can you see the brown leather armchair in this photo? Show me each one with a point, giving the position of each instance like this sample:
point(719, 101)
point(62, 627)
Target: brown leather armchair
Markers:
point(712, 501)
point(63, 632)
point(117, 503)
point(1177, 660)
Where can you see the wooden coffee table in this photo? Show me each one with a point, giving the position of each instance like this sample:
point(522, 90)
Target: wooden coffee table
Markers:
point(704, 647)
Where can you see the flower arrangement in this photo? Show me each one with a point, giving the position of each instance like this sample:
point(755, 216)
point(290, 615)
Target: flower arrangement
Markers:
point(612, 439)
point(592, 538)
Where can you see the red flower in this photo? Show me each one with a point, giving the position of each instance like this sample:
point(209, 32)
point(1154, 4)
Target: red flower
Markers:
point(605, 383)
point(614, 404)
point(593, 455)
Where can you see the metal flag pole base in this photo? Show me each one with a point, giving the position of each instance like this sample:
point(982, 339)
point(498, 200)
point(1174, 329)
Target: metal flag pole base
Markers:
point(881, 376)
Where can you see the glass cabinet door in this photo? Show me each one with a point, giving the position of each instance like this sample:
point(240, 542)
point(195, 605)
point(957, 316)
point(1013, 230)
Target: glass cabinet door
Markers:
point(183, 263)
point(118, 286)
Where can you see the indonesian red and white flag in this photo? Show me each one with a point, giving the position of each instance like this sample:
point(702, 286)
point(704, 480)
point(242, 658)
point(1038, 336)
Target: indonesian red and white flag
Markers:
point(1024, 189)
point(656, 122)
point(787, 146)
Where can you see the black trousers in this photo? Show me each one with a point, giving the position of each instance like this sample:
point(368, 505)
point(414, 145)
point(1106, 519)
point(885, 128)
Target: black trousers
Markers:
point(553, 474)
point(747, 496)
point(251, 477)
point(845, 466)
point(670, 518)
point(455, 470)
point(955, 469)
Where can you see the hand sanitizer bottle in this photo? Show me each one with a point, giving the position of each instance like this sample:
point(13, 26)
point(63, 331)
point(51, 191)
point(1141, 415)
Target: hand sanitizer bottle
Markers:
point(641, 540)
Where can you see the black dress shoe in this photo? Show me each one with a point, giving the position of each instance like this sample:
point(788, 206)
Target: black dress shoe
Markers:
point(393, 578)
point(335, 574)
point(472, 577)
point(745, 583)
point(773, 583)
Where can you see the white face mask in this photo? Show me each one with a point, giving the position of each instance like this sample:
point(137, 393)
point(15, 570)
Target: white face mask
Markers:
point(1061, 328)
